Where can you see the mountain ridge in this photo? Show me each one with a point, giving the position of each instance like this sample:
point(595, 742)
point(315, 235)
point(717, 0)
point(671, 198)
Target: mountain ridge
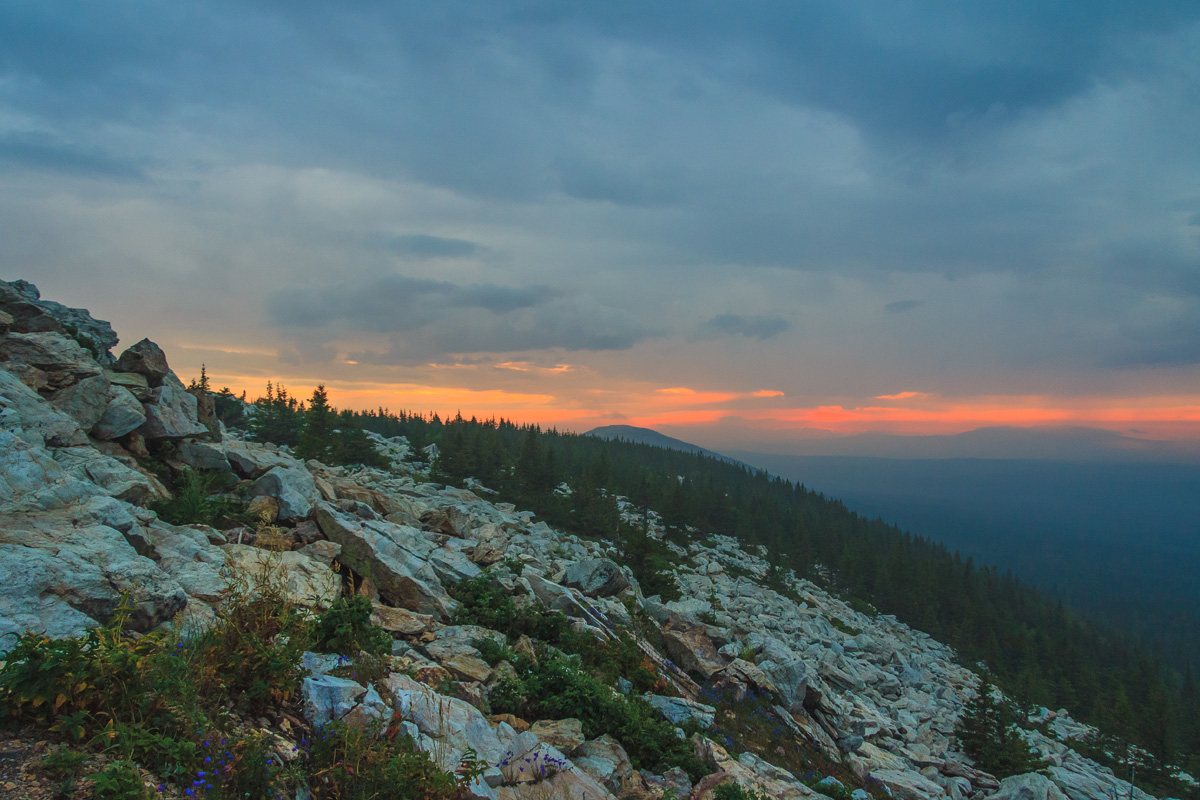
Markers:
point(785, 689)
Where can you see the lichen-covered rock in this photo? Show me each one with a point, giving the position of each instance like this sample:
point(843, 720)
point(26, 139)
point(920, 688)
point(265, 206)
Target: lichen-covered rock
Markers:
point(63, 573)
point(306, 580)
point(1030, 786)
point(122, 414)
point(22, 301)
point(596, 577)
point(292, 488)
point(203, 455)
point(106, 472)
point(171, 412)
point(62, 360)
point(26, 414)
point(383, 552)
point(147, 359)
point(30, 478)
point(86, 401)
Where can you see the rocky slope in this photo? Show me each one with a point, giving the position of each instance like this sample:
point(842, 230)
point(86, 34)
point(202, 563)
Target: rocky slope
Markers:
point(769, 679)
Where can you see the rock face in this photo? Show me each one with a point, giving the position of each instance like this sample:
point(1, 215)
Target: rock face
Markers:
point(386, 554)
point(22, 301)
point(171, 412)
point(122, 414)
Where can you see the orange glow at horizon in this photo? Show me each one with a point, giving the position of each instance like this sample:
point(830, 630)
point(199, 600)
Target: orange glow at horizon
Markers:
point(581, 407)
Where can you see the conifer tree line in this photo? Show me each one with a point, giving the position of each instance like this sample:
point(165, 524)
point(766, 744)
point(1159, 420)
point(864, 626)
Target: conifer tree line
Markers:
point(1031, 646)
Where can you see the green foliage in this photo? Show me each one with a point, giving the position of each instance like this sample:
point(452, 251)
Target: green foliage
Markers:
point(559, 688)
point(196, 501)
point(352, 764)
point(252, 655)
point(483, 602)
point(161, 701)
point(845, 628)
point(345, 627)
point(735, 791)
point(120, 780)
point(988, 733)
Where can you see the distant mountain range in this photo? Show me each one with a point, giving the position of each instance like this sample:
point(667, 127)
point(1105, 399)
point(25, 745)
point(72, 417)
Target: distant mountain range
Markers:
point(630, 433)
point(1055, 443)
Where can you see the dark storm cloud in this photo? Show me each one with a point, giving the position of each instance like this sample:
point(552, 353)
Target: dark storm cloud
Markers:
point(1015, 140)
point(395, 303)
point(751, 327)
point(430, 319)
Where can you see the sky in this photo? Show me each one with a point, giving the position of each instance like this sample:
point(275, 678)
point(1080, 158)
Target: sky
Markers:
point(743, 224)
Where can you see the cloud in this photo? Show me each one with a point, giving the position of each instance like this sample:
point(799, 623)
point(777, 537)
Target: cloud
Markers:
point(394, 303)
point(429, 319)
point(420, 245)
point(751, 327)
point(768, 393)
point(902, 396)
point(900, 306)
point(47, 154)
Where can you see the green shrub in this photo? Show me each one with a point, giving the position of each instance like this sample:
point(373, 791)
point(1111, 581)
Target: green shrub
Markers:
point(558, 688)
point(119, 781)
point(352, 764)
point(161, 701)
point(734, 791)
point(346, 627)
point(195, 501)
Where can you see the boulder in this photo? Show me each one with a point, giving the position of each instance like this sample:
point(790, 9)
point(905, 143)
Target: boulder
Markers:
point(791, 681)
point(21, 301)
point(147, 359)
point(544, 773)
point(63, 572)
point(607, 762)
point(450, 725)
point(373, 549)
point(907, 785)
point(31, 479)
point(691, 650)
point(292, 488)
point(327, 698)
point(171, 412)
point(203, 455)
point(114, 478)
point(122, 414)
point(263, 508)
point(679, 710)
point(86, 401)
point(1030, 786)
point(62, 360)
point(306, 580)
point(184, 553)
point(25, 413)
point(596, 577)
point(449, 520)
point(396, 620)
point(564, 734)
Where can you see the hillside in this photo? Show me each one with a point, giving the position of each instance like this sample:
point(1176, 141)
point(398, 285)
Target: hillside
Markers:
point(631, 433)
point(201, 610)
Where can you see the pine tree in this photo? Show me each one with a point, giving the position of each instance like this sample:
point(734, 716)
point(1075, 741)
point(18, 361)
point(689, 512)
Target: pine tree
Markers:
point(316, 438)
point(987, 733)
